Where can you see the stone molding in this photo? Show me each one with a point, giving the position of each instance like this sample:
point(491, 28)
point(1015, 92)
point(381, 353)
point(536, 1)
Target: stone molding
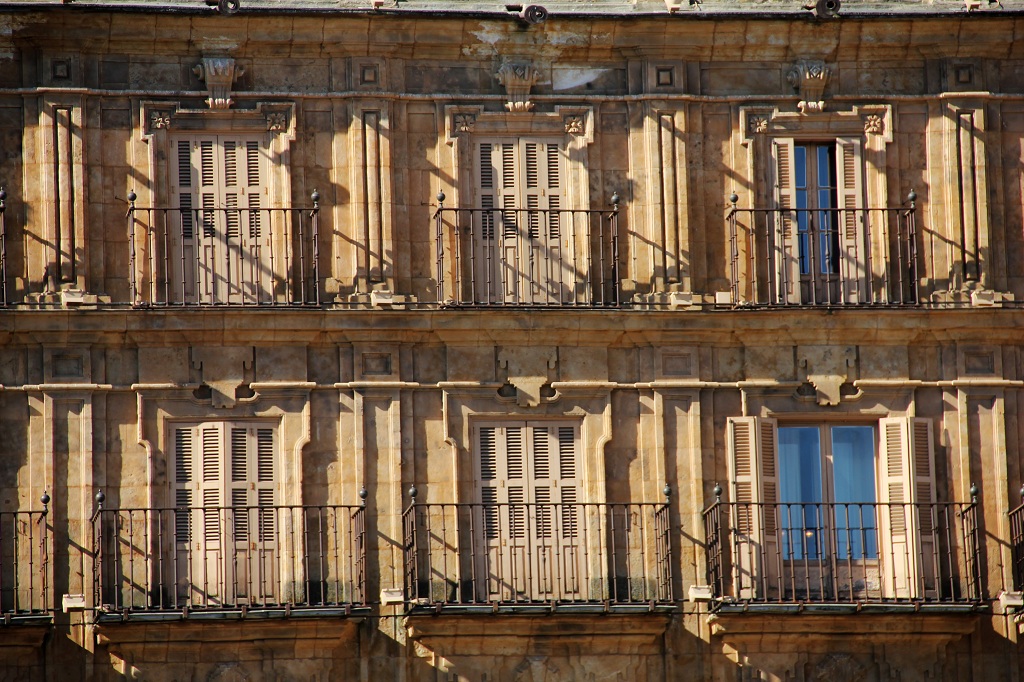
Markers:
point(219, 74)
point(518, 78)
point(810, 77)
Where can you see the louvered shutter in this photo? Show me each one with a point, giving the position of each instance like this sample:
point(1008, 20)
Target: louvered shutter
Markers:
point(753, 474)
point(852, 217)
point(921, 455)
point(530, 518)
point(908, 521)
point(184, 483)
point(225, 523)
point(786, 271)
point(220, 187)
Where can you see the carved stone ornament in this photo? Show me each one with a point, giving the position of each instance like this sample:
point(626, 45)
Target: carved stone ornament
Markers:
point(528, 371)
point(224, 369)
point(758, 124)
point(827, 368)
point(463, 123)
point(874, 125)
point(159, 120)
point(810, 77)
point(518, 79)
point(219, 74)
point(277, 121)
point(574, 125)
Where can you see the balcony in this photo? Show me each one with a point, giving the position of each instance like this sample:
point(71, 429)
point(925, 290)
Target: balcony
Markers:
point(527, 257)
point(223, 256)
point(823, 257)
point(25, 544)
point(886, 555)
point(223, 562)
point(532, 557)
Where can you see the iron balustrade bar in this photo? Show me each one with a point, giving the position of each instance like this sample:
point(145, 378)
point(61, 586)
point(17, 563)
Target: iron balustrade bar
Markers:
point(1017, 546)
point(25, 543)
point(208, 558)
point(527, 257)
point(224, 256)
point(823, 257)
point(4, 300)
point(844, 553)
point(537, 553)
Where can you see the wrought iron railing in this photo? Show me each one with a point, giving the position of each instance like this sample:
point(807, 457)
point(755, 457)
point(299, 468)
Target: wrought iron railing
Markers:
point(466, 554)
point(3, 248)
point(206, 558)
point(1017, 544)
point(233, 256)
point(843, 552)
point(527, 257)
point(25, 543)
point(836, 256)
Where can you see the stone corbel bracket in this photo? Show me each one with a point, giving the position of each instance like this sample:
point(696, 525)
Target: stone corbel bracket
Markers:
point(827, 368)
point(219, 74)
point(810, 77)
point(518, 79)
point(528, 370)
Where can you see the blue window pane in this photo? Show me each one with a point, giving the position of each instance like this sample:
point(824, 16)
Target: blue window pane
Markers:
point(853, 474)
point(824, 166)
point(800, 509)
point(800, 165)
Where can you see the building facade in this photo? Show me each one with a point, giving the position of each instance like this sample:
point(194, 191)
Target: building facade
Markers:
point(463, 342)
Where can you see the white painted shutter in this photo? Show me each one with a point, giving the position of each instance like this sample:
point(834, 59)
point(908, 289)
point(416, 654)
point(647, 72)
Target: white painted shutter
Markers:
point(753, 474)
point(921, 459)
point(787, 248)
point(225, 240)
point(852, 220)
point(907, 519)
point(224, 474)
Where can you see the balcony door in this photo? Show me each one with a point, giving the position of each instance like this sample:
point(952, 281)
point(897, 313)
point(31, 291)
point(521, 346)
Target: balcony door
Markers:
point(225, 535)
point(820, 255)
point(519, 245)
point(530, 514)
point(828, 509)
point(221, 251)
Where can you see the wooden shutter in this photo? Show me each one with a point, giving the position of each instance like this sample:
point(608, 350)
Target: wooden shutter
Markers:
point(529, 490)
point(753, 474)
point(786, 268)
point(921, 468)
point(907, 518)
point(224, 477)
point(852, 220)
point(219, 187)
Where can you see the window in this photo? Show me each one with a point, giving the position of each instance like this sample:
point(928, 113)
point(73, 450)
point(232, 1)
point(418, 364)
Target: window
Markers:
point(530, 514)
point(827, 465)
point(518, 243)
point(225, 515)
point(827, 511)
point(820, 241)
point(223, 247)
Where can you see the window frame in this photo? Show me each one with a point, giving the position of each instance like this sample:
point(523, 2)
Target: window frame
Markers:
point(905, 447)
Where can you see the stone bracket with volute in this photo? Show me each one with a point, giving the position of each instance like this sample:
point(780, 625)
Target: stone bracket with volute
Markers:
point(827, 368)
point(528, 370)
point(219, 74)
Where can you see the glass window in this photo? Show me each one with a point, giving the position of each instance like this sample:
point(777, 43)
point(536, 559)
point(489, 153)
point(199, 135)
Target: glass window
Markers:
point(827, 491)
